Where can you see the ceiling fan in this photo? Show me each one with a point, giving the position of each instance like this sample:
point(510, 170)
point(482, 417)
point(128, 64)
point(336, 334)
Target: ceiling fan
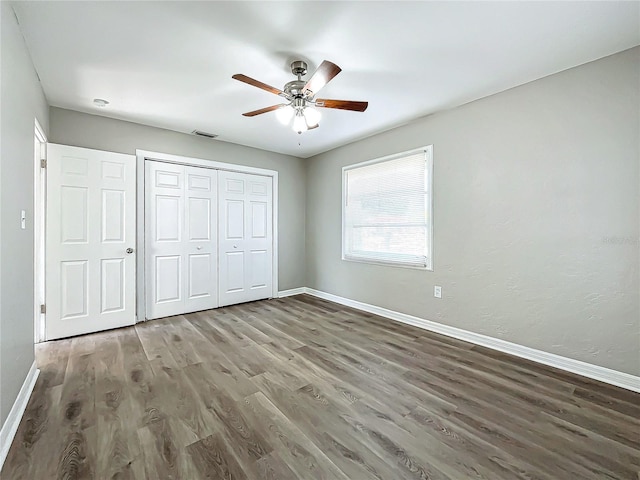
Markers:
point(301, 96)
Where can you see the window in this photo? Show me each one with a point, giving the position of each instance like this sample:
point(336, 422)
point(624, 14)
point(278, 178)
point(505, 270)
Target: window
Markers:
point(387, 214)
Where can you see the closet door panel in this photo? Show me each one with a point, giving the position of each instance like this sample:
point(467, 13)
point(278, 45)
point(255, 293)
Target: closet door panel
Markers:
point(246, 237)
point(164, 219)
point(181, 239)
point(201, 235)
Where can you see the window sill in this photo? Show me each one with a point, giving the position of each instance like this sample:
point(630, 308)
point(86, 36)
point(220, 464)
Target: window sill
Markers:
point(382, 263)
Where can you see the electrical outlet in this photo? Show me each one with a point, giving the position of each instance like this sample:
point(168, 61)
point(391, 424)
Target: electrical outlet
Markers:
point(437, 291)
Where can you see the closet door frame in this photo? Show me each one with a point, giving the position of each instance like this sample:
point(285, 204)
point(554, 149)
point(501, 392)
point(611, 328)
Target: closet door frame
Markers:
point(141, 157)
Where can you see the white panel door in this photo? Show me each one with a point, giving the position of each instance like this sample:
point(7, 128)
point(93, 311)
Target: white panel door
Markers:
point(180, 239)
point(90, 266)
point(246, 237)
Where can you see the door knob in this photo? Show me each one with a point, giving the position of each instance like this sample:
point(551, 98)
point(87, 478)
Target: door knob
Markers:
point(235, 246)
point(199, 248)
point(129, 250)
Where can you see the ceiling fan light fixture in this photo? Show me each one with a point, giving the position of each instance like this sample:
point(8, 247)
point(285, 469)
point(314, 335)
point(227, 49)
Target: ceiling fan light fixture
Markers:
point(284, 114)
point(312, 116)
point(299, 123)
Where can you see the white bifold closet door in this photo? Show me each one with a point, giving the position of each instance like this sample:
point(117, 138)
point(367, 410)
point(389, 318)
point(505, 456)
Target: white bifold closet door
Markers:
point(91, 222)
point(246, 237)
point(180, 239)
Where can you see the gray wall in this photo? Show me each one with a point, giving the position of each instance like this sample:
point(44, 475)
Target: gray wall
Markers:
point(536, 216)
point(101, 133)
point(22, 101)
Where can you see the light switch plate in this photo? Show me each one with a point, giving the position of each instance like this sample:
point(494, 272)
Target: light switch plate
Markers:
point(437, 291)
point(23, 219)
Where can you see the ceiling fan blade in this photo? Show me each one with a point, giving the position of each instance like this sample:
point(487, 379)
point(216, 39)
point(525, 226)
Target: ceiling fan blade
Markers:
point(251, 81)
point(325, 72)
point(262, 110)
point(342, 104)
point(313, 126)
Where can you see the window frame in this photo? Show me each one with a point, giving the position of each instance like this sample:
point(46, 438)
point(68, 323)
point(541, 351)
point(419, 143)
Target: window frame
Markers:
point(428, 151)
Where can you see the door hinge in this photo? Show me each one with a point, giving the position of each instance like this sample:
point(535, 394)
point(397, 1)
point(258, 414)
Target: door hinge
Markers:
point(43, 308)
point(43, 163)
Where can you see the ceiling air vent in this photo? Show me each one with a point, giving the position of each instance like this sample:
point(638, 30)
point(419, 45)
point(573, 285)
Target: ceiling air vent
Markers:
point(200, 133)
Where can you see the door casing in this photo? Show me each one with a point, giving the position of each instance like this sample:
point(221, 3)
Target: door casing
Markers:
point(39, 229)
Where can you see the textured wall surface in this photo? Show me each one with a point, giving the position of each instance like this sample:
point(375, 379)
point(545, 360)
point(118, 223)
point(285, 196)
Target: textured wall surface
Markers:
point(22, 101)
point(101, 133)
point(536, 216)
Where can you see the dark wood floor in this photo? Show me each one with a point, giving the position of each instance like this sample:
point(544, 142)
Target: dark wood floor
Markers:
point(300, 388)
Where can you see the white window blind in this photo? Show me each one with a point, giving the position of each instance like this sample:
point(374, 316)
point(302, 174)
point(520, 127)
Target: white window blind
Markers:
point(387, 210)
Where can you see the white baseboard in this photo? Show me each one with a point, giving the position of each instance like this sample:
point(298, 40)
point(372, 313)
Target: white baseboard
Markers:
point(613, 377)
point(293, 291)
point(10, 426)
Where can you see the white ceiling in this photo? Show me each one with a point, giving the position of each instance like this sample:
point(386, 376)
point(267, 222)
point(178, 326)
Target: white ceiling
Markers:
point(169, 64)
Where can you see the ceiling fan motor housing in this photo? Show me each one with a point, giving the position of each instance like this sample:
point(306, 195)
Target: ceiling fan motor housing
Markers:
point(295, 87)
point(299, 68)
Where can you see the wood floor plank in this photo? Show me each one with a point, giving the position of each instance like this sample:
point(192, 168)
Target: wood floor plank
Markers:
point(182, 351)
point(179, 399)
point(397, 454)
point(34, 435)
point(154, 344)
point(210, 377)
point(77, 460)
point(53, 358)
point(482, 452)
point(213, 459)
point(302, 456)
point(161, 449)
point(302, 388)
point(117, 445)
point(278, 337)
point(272, 467)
